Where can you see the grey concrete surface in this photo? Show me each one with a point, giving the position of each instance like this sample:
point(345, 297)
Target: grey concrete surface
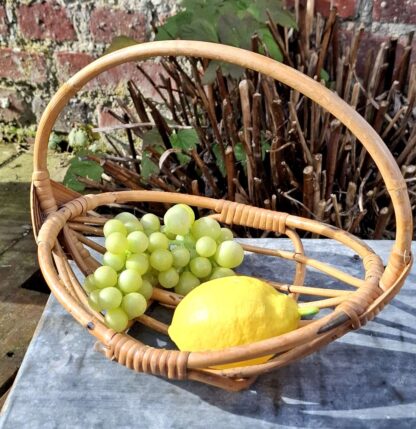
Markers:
point(364, 380)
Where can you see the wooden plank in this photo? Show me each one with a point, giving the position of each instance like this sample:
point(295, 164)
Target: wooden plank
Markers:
point(20, 309)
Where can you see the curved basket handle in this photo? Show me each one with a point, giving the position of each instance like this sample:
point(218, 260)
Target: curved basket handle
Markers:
point(384, 160)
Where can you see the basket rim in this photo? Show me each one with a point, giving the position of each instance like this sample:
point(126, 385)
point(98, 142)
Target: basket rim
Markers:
point(380, 284)
point(352, 120)
point(313, 331)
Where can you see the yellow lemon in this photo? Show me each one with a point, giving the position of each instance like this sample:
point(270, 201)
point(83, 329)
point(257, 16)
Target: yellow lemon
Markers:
point(232, 311)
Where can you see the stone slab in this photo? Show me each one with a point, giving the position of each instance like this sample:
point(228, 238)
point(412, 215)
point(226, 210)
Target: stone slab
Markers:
point(364, 380)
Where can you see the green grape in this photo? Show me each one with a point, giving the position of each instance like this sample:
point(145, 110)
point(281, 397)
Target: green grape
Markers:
point(116, 243)
point(187, 240)
point(151, 277)
point(225, 235)
point(168, 234)
point(89, 283)
point(137, 242)
point(114, 225)
point(220, 272)
point(130, 222)
point(129, 281)
point(134, 305)
point(133, 226)
point(147, 289)
point(181, 257)
point(126, 217)
point(229, 254)
point(110, 298)
point(150, 223)
point(187, 282)
point(138, 262)
point(161, 259)
point(189, 210)
point(94, 300)
point(178, 220)
point(158, 240)
point(114, 260)
point(116, 319)
point(105, 277)
point(206, 226)
point(213, 262)
point(200, 267)
point(206, 246)
point(168, 278)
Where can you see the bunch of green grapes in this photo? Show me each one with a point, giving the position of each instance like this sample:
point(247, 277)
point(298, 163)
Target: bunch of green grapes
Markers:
point(142, 254)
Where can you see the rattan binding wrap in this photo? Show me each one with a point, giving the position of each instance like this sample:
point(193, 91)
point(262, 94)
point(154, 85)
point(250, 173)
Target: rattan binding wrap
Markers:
point(63, 219)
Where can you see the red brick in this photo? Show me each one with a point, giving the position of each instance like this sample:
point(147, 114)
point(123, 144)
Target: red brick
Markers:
point(3, 24)
point(370, 45)
point(121, 74)
point(400, 11)
point(105, 24)
point(68, 63)
point(402, 43)
point(18, 66)
point(105, 119)
point(13, 107)
point(346, 8)
point(46, 20)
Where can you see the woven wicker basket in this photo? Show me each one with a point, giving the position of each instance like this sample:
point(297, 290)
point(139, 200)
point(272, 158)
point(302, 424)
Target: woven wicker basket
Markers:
point(62, 220)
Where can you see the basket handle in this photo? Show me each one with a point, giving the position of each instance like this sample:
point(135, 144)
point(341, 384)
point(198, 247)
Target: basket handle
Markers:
point(384, 160)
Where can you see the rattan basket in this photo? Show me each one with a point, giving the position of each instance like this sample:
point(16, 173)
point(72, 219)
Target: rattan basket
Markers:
point(62, 220)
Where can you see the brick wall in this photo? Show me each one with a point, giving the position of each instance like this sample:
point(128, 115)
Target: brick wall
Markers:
point(381, 20)
point(42, 43)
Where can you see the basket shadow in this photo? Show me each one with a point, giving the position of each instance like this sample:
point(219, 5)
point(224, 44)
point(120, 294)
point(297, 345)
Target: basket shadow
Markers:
point(343, 385)
point(366, 379)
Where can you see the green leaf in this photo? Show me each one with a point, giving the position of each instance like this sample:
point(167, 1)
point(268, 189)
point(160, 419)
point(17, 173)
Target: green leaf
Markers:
point(259, 8)
point(54, 141)
point(324, 75)
point(82, 167)
point(199, 29)
point(265, 147)
point(236, 29)
point(242, 5)
point(308, 311)
point(218, 157)
point(285, 19)
point(171, 28)
point(184, 140)
point(151, 139)
point(236, 72)
point(194, 4)
point(255, 11)
point(210, 73)
point(148, 167)
point(162, 34)
point(240, 154)
point(227, 69)
point(271, 45)
point(229, 28)
point(120, 42)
